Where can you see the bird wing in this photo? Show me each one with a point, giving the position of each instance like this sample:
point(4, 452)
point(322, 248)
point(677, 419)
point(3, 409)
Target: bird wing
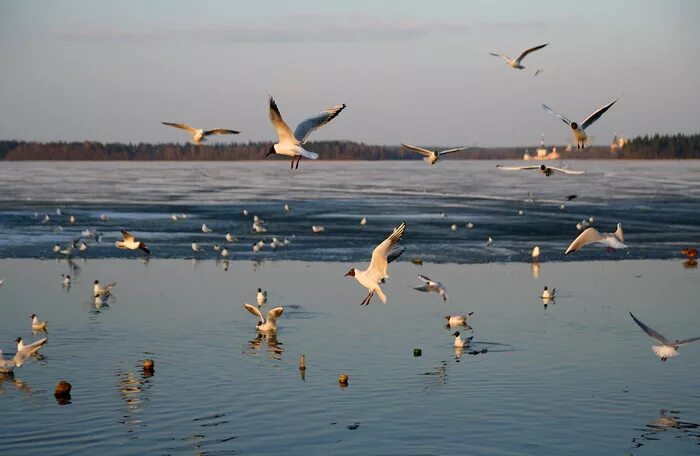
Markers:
point(588, 236)
point(283, 131)
point(652, 333)
point(255, 311)
point(596, 115)
point(181, 126)
point(426, 279)
point(420, 150)
point(396, 252)
point(504, 57)
point(126, 236)
point(687, 341)
point(305, 128)
point(551, 111)
point(619, 234)
point(274, 313)
point(380, 254)
point(566, 171)
point(452, 151)
point(423, 288)
point(220, 131)
point(443, 293)
point(516, 168)
point(527, 51)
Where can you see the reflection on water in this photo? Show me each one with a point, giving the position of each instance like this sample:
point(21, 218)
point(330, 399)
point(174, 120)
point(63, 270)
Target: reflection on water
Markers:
point(690, 264)
point(11, 379)
point(547, 301)
point(667, 421)
point(132, 390)
point(535, 268)
point(272, 345)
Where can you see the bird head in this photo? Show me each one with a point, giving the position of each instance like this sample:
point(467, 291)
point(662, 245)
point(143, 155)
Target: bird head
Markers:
point(456, 334)
point(574, 125)
point(542, 167)
point(350, 273)
point(32, 316)
point(18, 340)
point(96, 282)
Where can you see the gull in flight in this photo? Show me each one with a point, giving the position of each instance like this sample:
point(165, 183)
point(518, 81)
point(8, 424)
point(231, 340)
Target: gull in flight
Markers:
point(546, 170)
point(199, 135)
point(38, 325)
point(269, 324)
point(102, 290)
point(432, 156)
point(432, 286)
point(376, 273)
point(667, 349)
point(515, 63)
point(458, 320)
point(579, 130)
point(590, 235)
point(130, 243)
point(289, 143)
point(261, 297)
point(31, 348)
point(459, 342)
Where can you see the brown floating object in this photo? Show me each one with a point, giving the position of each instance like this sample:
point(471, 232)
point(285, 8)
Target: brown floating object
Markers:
point(302, 362)
point(418, 261)
point(62, 389)
point(343, 379)
point(148, 365)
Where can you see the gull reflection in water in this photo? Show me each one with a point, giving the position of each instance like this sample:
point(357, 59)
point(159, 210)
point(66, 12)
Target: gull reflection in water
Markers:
point(131, 388)
point(535, 268)
point(690, 264)
point(667, 421)
point(274, 346)
point(547, 301)
point(10, 379)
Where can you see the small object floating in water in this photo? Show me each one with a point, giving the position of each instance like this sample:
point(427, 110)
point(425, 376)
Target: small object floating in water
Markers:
point(546, 294)
point(343, 380)
point(148, 365)
point(302, 363)
point(417, 352)
point(469, 225)
point(562, 207)
point(287, 208)
point(318, 228)
point(521, 212)
point(62, 391)
point(484, 350)
point(489, 242)
point(418, 261)
point(363, 221)
point(536, 253)
point(690, 253)
point(353, 426)
point(453, 227)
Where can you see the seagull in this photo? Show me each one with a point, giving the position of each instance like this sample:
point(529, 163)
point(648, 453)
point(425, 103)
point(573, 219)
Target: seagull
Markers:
point(287, 208)
point(56, 248)
point(196, 247)
point(363, 221)
point(269, 325)
point(217, 248)
point(318, 228)
point(71, 219)
point(106, 290)
point(129, 242)
point(432, 286)
point(2, 281)
point(31, 348)
point(489, 241)
point(6, 365)
point(229, 237)
point(546, 170)
point(376, 273)
point(546, 294)
point(261, 297)
point(206, 229)
point(515, 63)
point(65, 280)
point(38, 325)
point(459, 342)
point(68, 251)
point(536, 253)
point(199, 135)
point(104, 217)
point(458, 320)
point(82, 246)
point(46, 219)
point(58, 211)
point(578, 131)
point(668, 349)
point(289, 143)
point(590, 235)
point(432, 156)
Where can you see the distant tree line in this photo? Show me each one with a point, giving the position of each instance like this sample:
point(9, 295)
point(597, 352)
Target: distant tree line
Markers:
point(646, 147)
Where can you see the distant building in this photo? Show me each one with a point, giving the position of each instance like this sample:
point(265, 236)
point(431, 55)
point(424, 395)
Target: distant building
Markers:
point(542, 152)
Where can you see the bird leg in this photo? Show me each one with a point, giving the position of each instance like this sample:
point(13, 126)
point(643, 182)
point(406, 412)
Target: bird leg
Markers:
point(291, 165)
point(367, 299)
point(298, 160)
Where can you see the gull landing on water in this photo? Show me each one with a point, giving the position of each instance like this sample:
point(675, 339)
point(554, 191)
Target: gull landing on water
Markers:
point(290, 144)
point(376, 273)
point(515, 63)
point(668, 349)
point(269, 324)
point(546, 170)
point(199, 135)
point(591, 235)
point(102, 290)
point(432, 286)
point(38, 325)
point(578, 131)
point(432, 156)
point(31, 348)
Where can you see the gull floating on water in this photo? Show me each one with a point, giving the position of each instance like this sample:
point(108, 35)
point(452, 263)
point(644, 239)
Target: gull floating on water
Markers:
point(577, 130)
point(591, 235)
point(195, 247)
point(206, 229)
point(102, 290)
point(65, 280)
point(536, 253)
point(318, 228)
point(376, 273)
point(290, 144)
point(261, 297)
point(56, 248)
point(458, 320)
point(668, 349)
point(546, 294)
point(104, 217)
point(38, 325)
point(269, 324)
point(432, 286)
point(71, 219)
point(31, 348)
point(287, 208)
point(229, 237)
point(432, 156)
point(46, 219)
point(199, 135)
point(546, 170)
point(459, 342)
point(224, 252)
point(515, 63)
point(363, 221)
point(130, 243)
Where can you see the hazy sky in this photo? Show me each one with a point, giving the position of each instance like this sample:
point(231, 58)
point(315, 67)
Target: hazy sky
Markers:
point(409, 71)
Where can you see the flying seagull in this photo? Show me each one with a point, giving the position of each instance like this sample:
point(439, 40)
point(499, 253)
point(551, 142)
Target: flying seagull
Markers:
point(432, 156)
point(515, 63)
point(199, 135)
point(591, 235)
point(432, 286)
point(546, 170)
point(130, 243)
point(667, 349)
point(372, 277)
point(289, 143)
point(577, 130)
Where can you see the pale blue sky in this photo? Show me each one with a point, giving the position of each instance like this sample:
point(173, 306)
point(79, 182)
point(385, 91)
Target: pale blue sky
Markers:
point(409, 71)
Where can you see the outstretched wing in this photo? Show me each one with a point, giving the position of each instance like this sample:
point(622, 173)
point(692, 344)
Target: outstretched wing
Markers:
point(396, 252)
point(650, 332)
point(220, 131)
point(527, 51)
point(274, 313)
point(181, 126)
point(452, 151)
point(589, 236)
point(313, 123)
point(283, 131)
point(504, 57)
point(551, 111)
point(126, 236)
point(425, 288)
point(516, 168)
point(380, 255)
point(255, 311)
point(565, 171)
point(420, 150)
point(596, 115)
point(687, 341)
